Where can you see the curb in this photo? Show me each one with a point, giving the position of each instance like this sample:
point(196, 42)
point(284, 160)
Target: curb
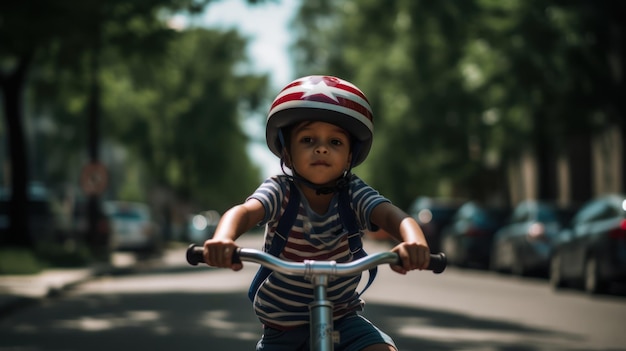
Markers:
point(46, 285)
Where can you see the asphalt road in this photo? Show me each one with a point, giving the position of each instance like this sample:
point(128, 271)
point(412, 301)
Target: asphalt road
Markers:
point(168, 305)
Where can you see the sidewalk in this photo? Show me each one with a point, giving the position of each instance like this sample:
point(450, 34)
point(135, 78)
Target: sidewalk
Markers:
point(17, 291)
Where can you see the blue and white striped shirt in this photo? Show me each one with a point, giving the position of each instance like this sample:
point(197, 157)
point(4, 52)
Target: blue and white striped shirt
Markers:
point(282, 301)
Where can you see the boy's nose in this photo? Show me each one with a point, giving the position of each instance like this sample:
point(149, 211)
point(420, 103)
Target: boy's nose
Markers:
point(321, 149)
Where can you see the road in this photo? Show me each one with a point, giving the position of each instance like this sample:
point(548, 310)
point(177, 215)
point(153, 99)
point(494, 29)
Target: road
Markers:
point(171, 306)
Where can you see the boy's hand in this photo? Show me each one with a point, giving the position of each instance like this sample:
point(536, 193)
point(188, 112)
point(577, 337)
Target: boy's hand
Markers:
point(219, 253)
point(413, 256)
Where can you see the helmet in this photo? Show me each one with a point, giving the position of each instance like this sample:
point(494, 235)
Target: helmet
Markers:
point(326, 99)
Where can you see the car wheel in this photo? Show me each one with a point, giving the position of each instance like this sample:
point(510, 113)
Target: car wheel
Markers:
point(517, 266)
point(450, 250)
point(494, 262)
point(556, 278)
point(592, 282)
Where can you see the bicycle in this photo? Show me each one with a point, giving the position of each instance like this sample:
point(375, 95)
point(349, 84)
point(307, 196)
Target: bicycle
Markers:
point(319, 273)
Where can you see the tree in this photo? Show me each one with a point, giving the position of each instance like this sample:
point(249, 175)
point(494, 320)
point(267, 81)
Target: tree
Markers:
point(179, 114)
point(461, 88)
point(71, 32)
point(559, 75)
point(405, 56)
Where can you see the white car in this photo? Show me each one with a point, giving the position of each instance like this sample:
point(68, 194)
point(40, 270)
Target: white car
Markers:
point(132, 227)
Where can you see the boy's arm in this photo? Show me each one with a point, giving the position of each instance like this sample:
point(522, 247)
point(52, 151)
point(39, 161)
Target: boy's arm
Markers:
point(218, 250)
point(413, 249)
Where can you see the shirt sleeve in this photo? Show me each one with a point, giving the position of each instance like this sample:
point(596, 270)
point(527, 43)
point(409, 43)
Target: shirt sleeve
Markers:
point(270, 193)
point(364, 200)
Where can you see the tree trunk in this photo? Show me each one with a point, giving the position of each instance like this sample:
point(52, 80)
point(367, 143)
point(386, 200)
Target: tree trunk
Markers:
point(12, 88)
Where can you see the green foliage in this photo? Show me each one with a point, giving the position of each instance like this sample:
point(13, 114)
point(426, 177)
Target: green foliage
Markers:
point(180, 113)
point(460, 87)
point(15, 260)
point(172, 99)
point(64, 256)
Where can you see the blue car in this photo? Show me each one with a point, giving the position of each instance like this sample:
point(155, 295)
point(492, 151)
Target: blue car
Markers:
point(525, 243)
point(592, 251)
point(433, 214)
point(467, 240)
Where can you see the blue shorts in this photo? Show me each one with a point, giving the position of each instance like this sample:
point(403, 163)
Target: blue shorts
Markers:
point(355, 334)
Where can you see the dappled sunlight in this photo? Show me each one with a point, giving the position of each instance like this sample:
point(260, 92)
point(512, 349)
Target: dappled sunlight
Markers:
point(219, 280)
point(459, 335)
point(421, 328)
point(143, 319)
point(221, 323)
point(436, 329)
point(226, 321)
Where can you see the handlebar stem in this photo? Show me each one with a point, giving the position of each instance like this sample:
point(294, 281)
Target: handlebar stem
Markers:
point(315, 269)
point(321, 315)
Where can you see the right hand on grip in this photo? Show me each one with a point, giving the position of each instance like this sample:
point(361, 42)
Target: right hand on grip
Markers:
point(195, 255)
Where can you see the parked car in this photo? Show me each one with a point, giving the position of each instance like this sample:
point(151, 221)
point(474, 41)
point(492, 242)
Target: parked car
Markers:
point(524, 244)
point(432, 214)
point(132, 227)
point(201, 226)
point(592, 250)
point(467, 239)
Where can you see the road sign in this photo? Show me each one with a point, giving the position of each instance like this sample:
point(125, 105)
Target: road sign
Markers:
point(94, 178)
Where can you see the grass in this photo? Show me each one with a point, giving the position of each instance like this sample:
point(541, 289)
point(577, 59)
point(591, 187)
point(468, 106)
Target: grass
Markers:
point(18, 260)
point(14, 260)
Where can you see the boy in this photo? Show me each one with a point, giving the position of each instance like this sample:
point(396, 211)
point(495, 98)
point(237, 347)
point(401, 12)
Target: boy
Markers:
point(320, 127)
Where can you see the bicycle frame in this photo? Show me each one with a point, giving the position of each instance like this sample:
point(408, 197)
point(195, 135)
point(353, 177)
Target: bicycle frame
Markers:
point(320, 273)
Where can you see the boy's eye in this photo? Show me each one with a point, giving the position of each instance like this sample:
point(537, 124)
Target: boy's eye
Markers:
point(311, 140)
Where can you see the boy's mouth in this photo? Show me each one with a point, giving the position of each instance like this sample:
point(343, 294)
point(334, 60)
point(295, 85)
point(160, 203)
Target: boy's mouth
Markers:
point(320, 163)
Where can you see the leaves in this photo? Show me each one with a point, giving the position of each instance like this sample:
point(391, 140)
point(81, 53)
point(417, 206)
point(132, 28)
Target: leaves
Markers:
point(461, 88)
point(170, 101)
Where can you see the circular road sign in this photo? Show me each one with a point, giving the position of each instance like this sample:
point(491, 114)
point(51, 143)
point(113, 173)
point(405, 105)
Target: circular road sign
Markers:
point(94, 178)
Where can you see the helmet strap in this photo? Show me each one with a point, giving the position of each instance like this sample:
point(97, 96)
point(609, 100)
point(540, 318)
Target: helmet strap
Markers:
point(356, 150)
point(341, 183)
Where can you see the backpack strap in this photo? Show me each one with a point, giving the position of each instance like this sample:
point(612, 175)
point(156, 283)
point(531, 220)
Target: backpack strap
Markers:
point(348, 219)
point(279, 240)
point(286, 222)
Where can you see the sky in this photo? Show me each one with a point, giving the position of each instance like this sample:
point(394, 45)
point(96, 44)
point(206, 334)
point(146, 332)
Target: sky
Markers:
point(266, 26)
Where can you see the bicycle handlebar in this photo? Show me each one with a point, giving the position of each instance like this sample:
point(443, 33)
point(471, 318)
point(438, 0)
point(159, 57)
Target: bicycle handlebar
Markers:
point(437, 264)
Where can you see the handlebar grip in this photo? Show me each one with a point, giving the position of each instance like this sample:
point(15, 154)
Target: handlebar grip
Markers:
point(195, 255)
point(438, 262)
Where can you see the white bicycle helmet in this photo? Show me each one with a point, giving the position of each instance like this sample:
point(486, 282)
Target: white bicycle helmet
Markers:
point(327, 99)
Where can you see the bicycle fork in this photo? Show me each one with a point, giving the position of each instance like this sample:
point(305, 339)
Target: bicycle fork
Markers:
point(321, 312)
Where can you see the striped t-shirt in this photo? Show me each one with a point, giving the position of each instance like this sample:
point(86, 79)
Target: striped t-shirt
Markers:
point(282, 301)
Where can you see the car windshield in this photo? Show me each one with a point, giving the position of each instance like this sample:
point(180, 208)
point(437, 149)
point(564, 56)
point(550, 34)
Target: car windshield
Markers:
point(127, 212)
point(619, 202)
point(128, 215)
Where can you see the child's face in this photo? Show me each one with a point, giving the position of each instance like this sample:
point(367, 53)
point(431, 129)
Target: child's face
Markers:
point(320, 151)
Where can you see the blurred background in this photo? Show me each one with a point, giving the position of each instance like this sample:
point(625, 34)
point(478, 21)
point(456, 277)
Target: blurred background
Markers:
point(146, 118)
